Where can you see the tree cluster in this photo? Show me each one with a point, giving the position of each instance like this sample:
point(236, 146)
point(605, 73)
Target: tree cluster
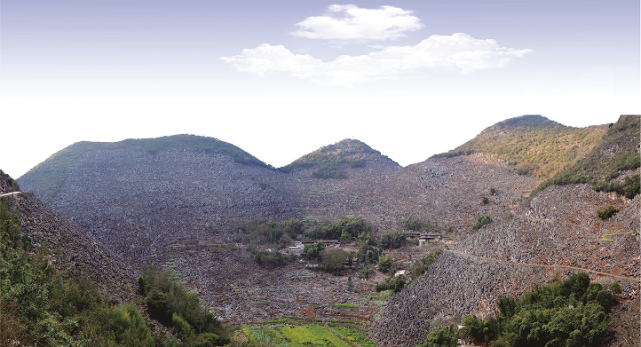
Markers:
point(345, 229)
point(170, 303)
point(394, 239)
point(567, 313)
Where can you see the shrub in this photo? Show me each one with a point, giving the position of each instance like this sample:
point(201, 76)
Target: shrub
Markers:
point(606, 212)
point(417, 224)
point(367, 254)
point(332, 259)
point(128, 326)
point(484, 200)
point(419, 267)
point(446, 337)
point(492, 191)
point(615, 287)
point(385, 263)
point(392, 240)
point(169, 302)
point(365, 273)
point(312, 252)
point(393, 283)
point(482, 221)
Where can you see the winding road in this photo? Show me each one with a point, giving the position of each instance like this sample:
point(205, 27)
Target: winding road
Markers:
point(548, 266)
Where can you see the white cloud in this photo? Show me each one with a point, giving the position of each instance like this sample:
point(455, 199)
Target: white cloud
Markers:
point(349, 22)
point(458, 51)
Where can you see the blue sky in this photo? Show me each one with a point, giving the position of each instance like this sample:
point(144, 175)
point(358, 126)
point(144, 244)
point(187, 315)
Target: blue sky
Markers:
point(282, 78)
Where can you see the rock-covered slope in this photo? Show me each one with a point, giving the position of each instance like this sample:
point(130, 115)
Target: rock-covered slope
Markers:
point(141, 197)
point(557, 231)
point(69, 245)
point(138, 202)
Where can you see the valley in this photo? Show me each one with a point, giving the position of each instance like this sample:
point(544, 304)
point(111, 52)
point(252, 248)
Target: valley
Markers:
point(181, 203)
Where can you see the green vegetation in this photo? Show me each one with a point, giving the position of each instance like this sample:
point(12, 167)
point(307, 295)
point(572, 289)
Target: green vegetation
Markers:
point(568, 313)
point(170, 303)
point(41, 306)
point(352, 335)
point(385, 263)
point(482, 221)
point(416, 224)
point(615, 287)
point(47, 177)
point(312, 252)
point(606, 212)
point(532, 144)
point(367, 254)
point(393, 283)
point(617, 151)
point(392, 240)
point(264, 234)
point(290, 333)
point(332, 259)
point(311, 335)
point(446, 337)
point(331, 161)
point(345, 229)
point(484, 200)
point(418, 267)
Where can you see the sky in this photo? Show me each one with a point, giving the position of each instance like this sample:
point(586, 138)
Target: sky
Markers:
point(280, 79)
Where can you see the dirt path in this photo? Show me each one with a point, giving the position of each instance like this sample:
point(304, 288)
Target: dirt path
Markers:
point(548, 266)
point(8, 194)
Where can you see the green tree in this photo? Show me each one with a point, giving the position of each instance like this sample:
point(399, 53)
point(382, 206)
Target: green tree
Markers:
point(446, 337)
point(385, 263)
point(392, 240)
point(332, 259)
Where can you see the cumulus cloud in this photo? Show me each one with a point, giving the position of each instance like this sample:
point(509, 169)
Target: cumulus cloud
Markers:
point(458, 51)
point(349, 22)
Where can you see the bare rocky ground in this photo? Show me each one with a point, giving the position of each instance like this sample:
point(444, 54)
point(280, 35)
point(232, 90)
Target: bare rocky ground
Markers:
point(552, 233)
point(242, 291)
point(139, 203)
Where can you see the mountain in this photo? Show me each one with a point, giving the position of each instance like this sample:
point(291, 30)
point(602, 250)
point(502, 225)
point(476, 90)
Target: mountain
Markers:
point(555, 233)
point(139, 196)
point(331, 161)
point(181, 206)
point(607, 167)
point(533, 144)
point(47, 177)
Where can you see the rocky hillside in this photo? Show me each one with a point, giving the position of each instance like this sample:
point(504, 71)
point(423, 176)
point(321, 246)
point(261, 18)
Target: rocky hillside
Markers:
point(70, 247)
point(47, 178)
point(139, 196)
point(138, 201)
point(557, 231)
point(533, 144)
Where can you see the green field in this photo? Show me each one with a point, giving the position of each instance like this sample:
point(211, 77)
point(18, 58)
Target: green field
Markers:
point(305, 335)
